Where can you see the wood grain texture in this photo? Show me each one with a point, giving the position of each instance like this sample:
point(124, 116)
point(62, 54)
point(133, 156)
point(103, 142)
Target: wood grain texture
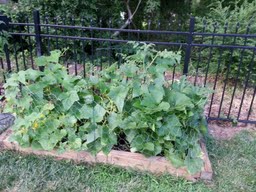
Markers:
point(207, 172)
point(136, 161)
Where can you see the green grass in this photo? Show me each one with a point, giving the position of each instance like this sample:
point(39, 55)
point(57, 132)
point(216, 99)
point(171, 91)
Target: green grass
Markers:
point(234, 163)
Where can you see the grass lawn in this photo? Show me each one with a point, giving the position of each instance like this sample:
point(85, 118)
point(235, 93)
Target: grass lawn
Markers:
point(234, 163)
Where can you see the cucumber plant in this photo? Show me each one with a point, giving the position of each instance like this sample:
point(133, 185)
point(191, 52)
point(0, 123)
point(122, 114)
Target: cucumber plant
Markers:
point(134, 100)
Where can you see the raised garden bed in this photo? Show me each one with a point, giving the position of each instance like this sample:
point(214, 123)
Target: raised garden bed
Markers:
point(136, 161)
point(132, 108)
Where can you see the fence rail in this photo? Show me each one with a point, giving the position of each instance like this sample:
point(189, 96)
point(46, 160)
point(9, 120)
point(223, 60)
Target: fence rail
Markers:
point(222, 60)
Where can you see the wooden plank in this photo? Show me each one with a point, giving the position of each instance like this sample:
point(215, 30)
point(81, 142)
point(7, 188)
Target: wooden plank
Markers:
point(207, 172)
point(136, 161)
point(3, 137)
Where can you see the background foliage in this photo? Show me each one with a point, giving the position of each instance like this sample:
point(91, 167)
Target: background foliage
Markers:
point(221, 17)
point(237, 17)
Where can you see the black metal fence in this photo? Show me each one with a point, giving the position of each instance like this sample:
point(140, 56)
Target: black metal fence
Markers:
point(220, 57)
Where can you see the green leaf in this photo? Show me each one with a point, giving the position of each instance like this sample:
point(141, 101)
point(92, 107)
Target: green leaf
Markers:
point(54, 56)
point(136, 89)
point(118, 95)
point(175, 159)
point(130, 134)
point(36, 145)
point(92, 136)
point(69, 121)
point(89, 99)
point(149, 146)
point(154, 97)
point(203, 126)
point(94, 147)
point(41, 61)
point(48, 143)
point(114, 120)
point(48, 107)
point(76, 144)
point(22, 77)
point(98, 113)
point(94, 80)
point(157, 92)
point(179, 101)
point(108, 139)
point(128, 123)
point(129, 70)
point(163, 106)
point(138, 142)
point(37, 90)
point(172, 126)
point(148, 101)
point(25, 102)
point(33, 74)
point(50, 79)
point(193, 165)
point(71, 98)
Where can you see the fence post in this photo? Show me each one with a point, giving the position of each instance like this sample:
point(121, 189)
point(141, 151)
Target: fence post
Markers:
point(36, 15)
point(4, 26)
point(188, 47)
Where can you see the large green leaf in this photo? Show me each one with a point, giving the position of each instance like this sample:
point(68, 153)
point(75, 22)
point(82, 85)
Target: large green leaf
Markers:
point(41, 61)
point(193, 165)
point(37, 90)
point(114, 120)
point(136, 89)
point(54, 57)
point(130, 134)
point(94, 79)
point(76, 144)
point(70, 99)
point(96, 114)
point(149, 146)
point(32, 74)
point(49, 141)
point(50, 79)
point(129, 70)
point(179, 101)
point(138, 142)
point(163, 106)
point(154, 97)
point(157, 92)
point(69, 120)
point(172, 126)
point(129, 122)
point(22, 77)
point(108, 139)
point(118, 95)
point(25, 102)
point(175, 158)
point(93, 135)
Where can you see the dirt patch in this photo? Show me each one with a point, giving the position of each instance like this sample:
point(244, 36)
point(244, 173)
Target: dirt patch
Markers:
point(224, 133)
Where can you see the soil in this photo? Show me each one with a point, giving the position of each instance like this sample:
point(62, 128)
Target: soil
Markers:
point(226, 133)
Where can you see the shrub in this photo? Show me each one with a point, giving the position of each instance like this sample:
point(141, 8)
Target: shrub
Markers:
point(133, 101)
point(239, 18)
